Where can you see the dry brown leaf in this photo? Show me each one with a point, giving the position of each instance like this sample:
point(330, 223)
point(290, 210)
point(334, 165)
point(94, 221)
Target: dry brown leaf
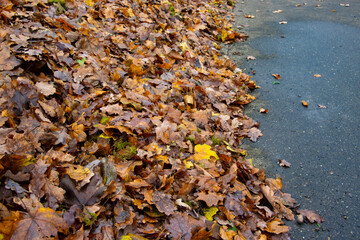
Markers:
point(284, 163)
point(317, 75)
point(311, 216)
point(276, 226)
point(211, 198)
point(254, 134)
point(45, 88)
point(43, 223)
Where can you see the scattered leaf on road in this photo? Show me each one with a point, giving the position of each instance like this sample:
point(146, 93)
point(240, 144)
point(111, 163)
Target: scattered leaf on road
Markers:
point(305, 103)
point(284, 163)
point(311, 216)
point(277, 76)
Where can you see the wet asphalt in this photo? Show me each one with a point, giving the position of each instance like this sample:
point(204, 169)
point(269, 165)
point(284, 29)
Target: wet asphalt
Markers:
point(322, 144)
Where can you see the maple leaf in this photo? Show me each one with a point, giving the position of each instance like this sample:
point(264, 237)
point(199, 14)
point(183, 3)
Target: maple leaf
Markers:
point(180, 226)
point(43, 223)
point(163, 202)
point(204, 152)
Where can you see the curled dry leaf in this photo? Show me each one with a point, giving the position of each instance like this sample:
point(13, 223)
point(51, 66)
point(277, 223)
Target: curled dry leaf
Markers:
point(311, 216)
point(317, 75)
point(263, 110)
point(277, 76)
point(322, 106)
point(283, 22)
point(278, 11)
point(251, 58)
point(249, 16)
point(305, 103)
point(284, 163)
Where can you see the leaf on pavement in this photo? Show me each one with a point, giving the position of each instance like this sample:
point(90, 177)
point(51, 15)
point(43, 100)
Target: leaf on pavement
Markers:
point(284, 163)
point(254, 133)
point(277, 76)
point(311, 216)
point(305, 103)
point(43, 223)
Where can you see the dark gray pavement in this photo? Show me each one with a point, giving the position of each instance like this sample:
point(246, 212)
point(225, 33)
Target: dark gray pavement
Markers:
point(323, 145)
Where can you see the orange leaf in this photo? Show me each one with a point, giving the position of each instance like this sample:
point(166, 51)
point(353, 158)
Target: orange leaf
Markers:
point(305, 103)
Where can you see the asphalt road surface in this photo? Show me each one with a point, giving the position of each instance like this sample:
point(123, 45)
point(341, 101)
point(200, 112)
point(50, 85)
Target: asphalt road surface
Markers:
point(322, 144)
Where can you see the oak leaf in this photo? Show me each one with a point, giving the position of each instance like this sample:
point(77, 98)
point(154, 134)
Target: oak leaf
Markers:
point(254, 133)
point(43, 223)
point(276, 226)
point(311, 216)
point(210, 198)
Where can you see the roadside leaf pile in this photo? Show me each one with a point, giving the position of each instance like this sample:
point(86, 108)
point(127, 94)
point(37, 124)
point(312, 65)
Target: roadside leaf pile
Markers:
point(122, 120)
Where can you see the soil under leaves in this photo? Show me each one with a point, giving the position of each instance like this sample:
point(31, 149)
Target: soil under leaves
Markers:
point(122, 120)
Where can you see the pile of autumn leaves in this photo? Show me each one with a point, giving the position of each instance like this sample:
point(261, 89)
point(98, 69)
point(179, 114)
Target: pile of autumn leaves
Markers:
point(121, 120)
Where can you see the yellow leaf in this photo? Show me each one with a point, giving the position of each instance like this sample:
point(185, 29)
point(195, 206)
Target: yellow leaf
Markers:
point(77, 172)
point(204, 152)
point(224, 35)
point(130, 12)
point(184, 46)
point(89, 3)
point(210, 212)
point(188, 164)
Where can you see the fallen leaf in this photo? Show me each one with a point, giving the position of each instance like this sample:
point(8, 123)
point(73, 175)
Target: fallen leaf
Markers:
point(263, 110)
point(317, 75)
point(204, 152)
point(43, 223)
point(277, 76)
point(305, 103)
point(211, 198)
point(311, 216)
point(278, 11)
point(210, 212)
point(284, 163)
point(276, 226)
point(251, 58)
point(163, 202)
point(322, 106)
point(283, 22)
point(86, 196)
point(45, 88)
point(254, 134)
point(249, 16)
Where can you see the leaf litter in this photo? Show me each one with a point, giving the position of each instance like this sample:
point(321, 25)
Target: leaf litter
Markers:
point(122, 120)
